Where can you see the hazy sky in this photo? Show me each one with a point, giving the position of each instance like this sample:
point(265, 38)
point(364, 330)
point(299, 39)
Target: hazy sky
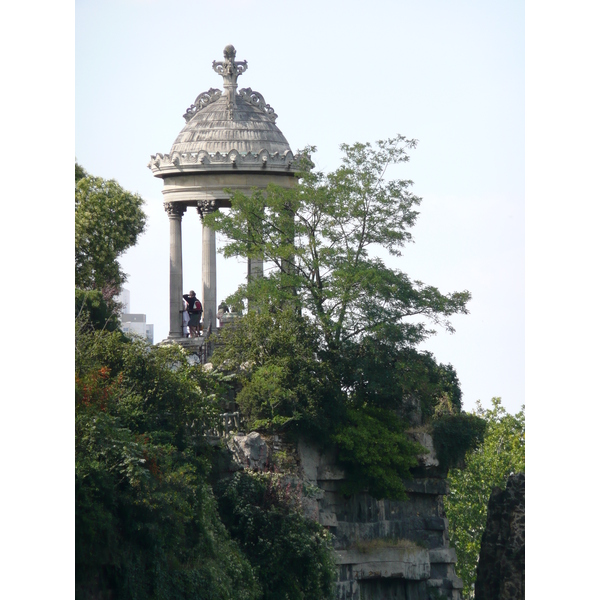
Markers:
point(450, 74)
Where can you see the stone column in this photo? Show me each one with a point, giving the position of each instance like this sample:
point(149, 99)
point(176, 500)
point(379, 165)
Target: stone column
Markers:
point(209, 267)
point(175, 212)
point(255, 268)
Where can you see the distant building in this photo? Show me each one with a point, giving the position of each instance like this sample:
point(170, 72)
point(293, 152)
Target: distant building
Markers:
point(124, 298)
point(134, 323)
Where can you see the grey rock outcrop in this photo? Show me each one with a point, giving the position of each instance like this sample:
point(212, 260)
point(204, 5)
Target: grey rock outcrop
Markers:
point(384, 549)
point(249, 451)
point(501, 568)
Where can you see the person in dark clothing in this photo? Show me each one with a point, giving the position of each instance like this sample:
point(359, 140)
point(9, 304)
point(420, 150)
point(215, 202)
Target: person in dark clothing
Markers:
point(223, 309)
point(194, 308)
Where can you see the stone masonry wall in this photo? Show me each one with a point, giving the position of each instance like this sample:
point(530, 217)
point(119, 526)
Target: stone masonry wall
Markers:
point(385, 549)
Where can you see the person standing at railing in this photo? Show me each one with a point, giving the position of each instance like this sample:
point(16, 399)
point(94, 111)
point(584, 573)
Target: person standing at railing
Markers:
point(194, 308)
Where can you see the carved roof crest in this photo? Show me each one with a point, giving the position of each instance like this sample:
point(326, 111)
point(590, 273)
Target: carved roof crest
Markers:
point(230, 70)
point(204, 99)
point(256, 99)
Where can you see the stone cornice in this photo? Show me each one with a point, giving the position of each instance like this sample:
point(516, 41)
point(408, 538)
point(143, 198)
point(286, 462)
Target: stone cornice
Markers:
point(203, 162)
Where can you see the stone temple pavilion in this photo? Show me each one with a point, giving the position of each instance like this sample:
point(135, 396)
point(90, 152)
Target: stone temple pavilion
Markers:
point(229, 141)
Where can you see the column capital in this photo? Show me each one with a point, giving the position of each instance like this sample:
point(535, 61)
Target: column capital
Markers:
point(205, 207)
point(175, 210)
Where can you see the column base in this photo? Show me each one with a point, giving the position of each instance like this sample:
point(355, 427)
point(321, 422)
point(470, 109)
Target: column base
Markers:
point(185, 342)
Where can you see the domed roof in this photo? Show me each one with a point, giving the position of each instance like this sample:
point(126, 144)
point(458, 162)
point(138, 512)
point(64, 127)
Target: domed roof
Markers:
point(214, 126)
point(227, 130)
point(231, 121)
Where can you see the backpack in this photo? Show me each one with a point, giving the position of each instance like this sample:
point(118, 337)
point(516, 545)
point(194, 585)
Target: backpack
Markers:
point(198, 306)
point(189, 303)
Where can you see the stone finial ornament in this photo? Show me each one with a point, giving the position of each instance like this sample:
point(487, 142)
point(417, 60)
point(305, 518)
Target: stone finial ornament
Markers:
point(230, 70)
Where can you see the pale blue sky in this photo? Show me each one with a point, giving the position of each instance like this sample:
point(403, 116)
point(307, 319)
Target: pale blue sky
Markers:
point(450, 74)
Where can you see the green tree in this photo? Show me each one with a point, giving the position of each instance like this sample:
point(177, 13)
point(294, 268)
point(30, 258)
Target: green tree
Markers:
point(80, 173)
point(281, 383)
point(97, 309)
point(375, 452)
point(382, 375)
point(147, 525)
point(108, 221)
point(489, 465)
point(323, 236)
point(348, 322)
point(291, 555)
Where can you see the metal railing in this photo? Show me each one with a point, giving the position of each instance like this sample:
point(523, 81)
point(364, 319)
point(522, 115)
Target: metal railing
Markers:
point(205, 342)
point(206, 349)
point(229, 422)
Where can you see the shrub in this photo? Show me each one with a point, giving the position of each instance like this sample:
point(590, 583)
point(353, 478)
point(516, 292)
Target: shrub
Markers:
point(454, 435)
point(290, 554)
point(147, 525)
point(281, 382)
point(375, 452)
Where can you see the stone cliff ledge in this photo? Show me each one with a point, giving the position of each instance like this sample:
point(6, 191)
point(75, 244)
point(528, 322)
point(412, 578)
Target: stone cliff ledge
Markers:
point(385, 549)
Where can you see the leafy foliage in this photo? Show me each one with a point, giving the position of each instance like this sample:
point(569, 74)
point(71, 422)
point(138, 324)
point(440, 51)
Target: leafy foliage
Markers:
point(97, 309)
point(282, 382)
point(381, 375)
point(328, 348)
point(290, 554)
point(108, 221)
point(147, 523)
point(454, 435)
point(375, 452)
point(146, 520)
point(322, 236)
point(489, 465)
point(80, 172)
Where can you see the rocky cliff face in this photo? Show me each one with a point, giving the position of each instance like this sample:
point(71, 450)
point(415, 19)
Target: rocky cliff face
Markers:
point(501, 568)
point(385, 550)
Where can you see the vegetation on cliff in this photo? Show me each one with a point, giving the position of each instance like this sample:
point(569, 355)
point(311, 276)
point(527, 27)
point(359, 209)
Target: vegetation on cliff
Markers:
point(488, 466)
point(291, 556)
point(148, 524)
point(326, 351)
point(327, 348)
